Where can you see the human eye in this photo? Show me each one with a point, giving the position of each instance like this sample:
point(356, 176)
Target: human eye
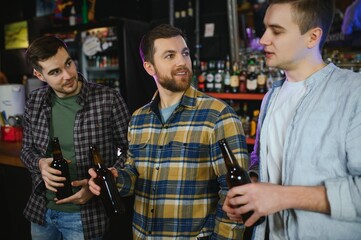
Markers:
point(186, 53)
point(169, 56)
point(54, 72)
point(277, 31)
point(68, 63)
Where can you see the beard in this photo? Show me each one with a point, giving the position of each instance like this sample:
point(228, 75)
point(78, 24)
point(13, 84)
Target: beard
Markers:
point(175, 83)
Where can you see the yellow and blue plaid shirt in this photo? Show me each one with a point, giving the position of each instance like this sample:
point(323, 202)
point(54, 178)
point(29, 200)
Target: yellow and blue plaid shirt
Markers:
point(176, 169)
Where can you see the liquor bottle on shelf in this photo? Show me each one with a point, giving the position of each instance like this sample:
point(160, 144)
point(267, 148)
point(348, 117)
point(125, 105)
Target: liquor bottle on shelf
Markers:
point(270, 79)
point(109, 193)
point(235, 78)
point(72, 17)
point(243, 79)
point(190, 9)
point(196, 72)
point(202, 77)
point(227, 76)
point(236, 175)
point(210, 76)
point(261, 78)
point(251, 78)
point(61, 164)
point(84, 10)
point(219, 77)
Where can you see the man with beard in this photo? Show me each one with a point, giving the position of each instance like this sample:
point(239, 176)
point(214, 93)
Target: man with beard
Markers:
point(175, 166)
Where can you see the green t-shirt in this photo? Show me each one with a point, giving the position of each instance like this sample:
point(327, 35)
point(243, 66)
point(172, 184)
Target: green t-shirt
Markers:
point(62, 125)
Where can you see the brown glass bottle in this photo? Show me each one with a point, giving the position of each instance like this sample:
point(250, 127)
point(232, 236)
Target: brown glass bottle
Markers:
point(61, 164)
point(109, 193)
point(236, 175)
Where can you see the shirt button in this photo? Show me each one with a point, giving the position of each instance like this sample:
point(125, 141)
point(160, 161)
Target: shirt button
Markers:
point(157, 168)
point(153, 189)
point(152, 210)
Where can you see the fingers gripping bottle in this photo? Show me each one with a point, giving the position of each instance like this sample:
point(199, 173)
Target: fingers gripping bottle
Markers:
point(61, 164)
point(109, 193)
point(236, 175)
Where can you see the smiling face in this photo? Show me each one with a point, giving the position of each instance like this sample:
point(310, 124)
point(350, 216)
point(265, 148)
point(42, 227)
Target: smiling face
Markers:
point(172, 68)
point(284, 45)
point(60, 73)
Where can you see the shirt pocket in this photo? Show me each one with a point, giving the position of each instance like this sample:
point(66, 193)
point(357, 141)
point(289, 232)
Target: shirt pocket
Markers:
point(187, 161)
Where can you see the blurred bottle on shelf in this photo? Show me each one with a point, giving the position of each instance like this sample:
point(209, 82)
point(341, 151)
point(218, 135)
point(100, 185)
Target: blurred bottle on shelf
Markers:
point(253, 125)
point(210, 76)
point(190, 9)
point(219, 77)
point(235, 78)
point(202, 77)
point(227, 76)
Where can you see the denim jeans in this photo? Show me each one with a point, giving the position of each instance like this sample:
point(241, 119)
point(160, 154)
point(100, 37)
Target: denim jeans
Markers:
point(58, 226)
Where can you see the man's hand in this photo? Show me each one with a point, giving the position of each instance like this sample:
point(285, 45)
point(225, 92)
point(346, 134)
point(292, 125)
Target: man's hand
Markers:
point(50, 175)
point(93, 187)
point(262, 198)
point(80, 197)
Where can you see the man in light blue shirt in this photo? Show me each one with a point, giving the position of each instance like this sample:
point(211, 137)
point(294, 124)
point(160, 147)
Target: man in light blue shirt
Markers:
point(308, 146)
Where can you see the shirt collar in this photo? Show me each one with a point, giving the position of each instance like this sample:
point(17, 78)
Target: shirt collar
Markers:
point(188, 100)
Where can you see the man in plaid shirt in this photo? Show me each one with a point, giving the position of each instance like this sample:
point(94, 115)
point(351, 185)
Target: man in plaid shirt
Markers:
point(79, 113)
point(175, 166)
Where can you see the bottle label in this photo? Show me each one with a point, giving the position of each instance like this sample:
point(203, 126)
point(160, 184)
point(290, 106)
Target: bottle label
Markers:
point(234, 81)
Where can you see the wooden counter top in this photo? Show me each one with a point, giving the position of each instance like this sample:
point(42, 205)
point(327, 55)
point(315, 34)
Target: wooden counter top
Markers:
point(10, 153)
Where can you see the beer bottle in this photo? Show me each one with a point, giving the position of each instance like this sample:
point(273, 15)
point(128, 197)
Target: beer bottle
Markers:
point(61, 164)
point(109, 193)
point(236, 175)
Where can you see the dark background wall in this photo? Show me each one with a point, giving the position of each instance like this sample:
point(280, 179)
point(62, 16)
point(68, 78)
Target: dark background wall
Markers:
point(152, 11)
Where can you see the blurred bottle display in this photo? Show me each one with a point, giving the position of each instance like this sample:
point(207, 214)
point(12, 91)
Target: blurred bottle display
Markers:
point(249, 75)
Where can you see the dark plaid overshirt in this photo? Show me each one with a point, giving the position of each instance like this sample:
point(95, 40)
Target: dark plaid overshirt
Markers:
point(102, 121)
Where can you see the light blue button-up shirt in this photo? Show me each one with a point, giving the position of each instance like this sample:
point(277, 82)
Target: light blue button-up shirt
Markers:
point(322, 147)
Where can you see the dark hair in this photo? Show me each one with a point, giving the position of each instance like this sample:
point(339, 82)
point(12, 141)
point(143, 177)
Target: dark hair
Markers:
point(311, 13)
point(42, 49)
point(146, 47)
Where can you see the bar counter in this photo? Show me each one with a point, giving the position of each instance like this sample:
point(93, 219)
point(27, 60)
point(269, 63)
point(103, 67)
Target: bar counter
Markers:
point(15, 184)
point(10, 153)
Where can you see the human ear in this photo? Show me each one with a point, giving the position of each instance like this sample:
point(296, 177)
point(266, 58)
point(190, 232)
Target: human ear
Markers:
point(38, 75)
point(314, 37)
point(149, 68)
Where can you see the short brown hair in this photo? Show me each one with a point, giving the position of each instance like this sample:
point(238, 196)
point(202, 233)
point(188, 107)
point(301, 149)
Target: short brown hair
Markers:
point(146, 47)
point(309, 14)
point(42, 49)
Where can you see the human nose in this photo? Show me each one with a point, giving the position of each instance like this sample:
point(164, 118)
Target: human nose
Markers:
point(66, 73)
point(181, 60)
point(265, 40)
